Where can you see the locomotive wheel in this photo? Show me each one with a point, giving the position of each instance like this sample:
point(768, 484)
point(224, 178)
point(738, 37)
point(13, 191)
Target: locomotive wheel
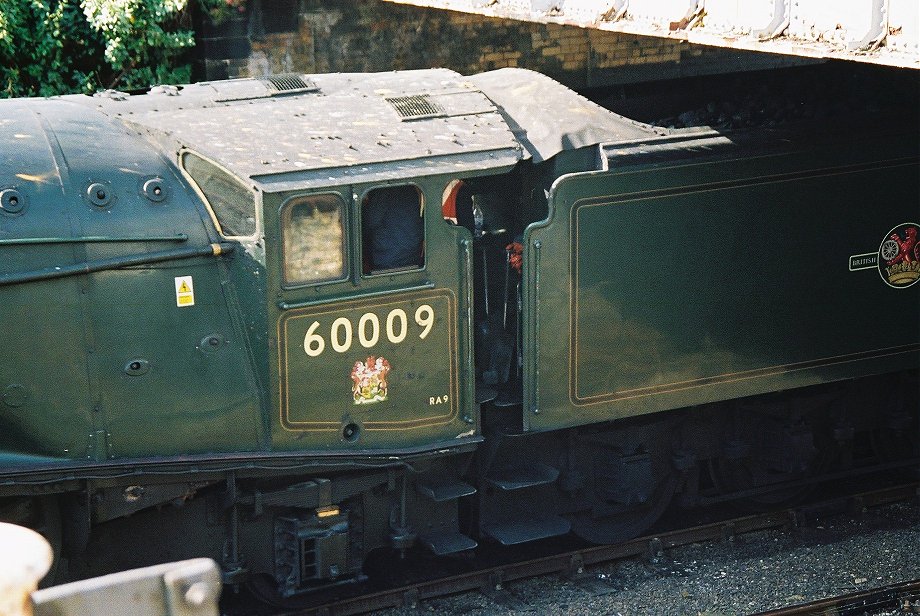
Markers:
point(632, 482)
point(896, 446)
point(896, 437)
point(774, 448)
point(616, 527)
point(896, 443)
point(751, 474)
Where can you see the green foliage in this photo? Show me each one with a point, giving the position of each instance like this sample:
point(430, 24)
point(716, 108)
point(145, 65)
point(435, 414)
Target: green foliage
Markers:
point(142, 39)
point(46, 47)
point(221, 10)
point(62, 46)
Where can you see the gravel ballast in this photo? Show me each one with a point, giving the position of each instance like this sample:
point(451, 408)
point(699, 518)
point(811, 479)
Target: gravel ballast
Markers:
point(748, 574)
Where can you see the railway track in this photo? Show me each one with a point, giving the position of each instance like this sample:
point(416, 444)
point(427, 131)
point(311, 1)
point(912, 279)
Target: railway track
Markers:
point(491, 580)
point(894, 598)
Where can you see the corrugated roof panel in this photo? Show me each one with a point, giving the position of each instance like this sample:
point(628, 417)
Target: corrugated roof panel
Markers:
point(288, 83)
point(415, 107)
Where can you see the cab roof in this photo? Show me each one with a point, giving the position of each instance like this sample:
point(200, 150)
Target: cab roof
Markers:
point(333, 128)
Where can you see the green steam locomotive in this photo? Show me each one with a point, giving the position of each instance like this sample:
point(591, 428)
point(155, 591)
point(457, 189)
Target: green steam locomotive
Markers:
point(288, 322)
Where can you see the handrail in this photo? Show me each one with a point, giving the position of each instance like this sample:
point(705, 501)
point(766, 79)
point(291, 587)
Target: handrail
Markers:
point(91, 239)
point(284, 305)
point(534, 331)
point(99, 265)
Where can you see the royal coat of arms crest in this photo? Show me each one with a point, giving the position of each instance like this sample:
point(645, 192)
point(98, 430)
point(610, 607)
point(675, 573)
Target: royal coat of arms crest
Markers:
point(370, 380)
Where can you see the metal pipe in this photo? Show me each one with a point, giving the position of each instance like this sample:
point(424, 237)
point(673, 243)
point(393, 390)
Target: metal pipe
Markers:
point(403, 514)
point(533, 329)
point(282, 305)
point(485, 278)
point(507, 279)
point(91, 239)
point(517, 330)
point(113, 263)
point(234, 556)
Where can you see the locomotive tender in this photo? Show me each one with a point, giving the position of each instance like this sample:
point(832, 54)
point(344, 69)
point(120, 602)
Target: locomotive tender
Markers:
point(207, 349)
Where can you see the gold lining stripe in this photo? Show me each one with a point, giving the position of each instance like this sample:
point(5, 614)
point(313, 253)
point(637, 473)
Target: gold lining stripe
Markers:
point(733, 377)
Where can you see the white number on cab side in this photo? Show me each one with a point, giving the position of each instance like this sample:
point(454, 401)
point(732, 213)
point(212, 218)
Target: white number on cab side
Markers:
point(341, 332)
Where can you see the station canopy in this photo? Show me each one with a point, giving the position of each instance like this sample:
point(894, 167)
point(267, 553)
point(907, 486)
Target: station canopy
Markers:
point(875, 31)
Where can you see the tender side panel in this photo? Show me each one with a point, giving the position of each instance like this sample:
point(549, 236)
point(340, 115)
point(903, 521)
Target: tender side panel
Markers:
point(663, 287)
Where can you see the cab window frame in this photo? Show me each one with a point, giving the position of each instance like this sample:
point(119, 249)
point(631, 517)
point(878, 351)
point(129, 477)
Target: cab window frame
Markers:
point(284, 213)
point(256, 196)
point(409, 269)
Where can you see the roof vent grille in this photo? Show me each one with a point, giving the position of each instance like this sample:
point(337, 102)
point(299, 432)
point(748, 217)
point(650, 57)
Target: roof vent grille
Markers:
point(288, 83)
point(415, 107)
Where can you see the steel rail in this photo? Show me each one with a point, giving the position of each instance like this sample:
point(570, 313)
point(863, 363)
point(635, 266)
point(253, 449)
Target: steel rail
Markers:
point(892, 596)
point(572, 563)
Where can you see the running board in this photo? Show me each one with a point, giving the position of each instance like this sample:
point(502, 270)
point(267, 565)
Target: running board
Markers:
point(446, 491)
point(442, 544)
point(520, 477)
point(515, 532)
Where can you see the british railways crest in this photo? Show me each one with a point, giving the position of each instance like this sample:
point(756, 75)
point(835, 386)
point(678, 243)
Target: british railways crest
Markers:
point(899, 256)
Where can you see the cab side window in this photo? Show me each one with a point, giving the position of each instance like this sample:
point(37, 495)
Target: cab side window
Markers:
point(231, 202)
point(393, 229)
point(314, 239)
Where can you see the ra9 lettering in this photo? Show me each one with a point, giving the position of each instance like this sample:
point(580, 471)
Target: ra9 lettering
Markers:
point(341, 333)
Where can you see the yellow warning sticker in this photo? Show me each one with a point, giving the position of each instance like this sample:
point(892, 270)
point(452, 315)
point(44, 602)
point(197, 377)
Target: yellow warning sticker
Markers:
point(185, 291)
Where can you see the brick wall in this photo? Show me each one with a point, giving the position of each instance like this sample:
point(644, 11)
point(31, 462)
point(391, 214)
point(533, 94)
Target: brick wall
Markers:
point(370, 35)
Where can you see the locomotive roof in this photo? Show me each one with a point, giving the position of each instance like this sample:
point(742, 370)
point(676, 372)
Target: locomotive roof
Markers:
point(547, 117)
point(296, 128)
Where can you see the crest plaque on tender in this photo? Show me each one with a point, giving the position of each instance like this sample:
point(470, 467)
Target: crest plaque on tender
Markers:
point(899, 256)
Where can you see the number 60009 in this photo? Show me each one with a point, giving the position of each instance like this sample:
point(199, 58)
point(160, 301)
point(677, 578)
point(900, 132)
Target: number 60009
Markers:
point(368, 330)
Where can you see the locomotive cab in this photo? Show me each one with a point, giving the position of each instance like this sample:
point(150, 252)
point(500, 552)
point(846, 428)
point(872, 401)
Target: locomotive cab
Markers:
point(353, 290)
